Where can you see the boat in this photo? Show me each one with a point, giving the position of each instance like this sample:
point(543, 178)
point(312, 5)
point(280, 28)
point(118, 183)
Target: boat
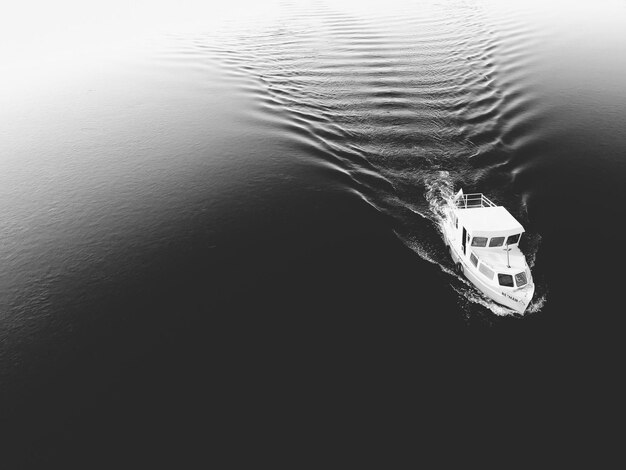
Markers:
point(483, 239)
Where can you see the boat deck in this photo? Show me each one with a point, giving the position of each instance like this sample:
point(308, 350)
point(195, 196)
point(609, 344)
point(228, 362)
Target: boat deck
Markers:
point(473, 200)
point(498, 260)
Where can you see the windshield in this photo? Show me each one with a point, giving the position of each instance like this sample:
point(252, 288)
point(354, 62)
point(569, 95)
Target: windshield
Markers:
point(479, 241)
point(496, 241)
point(505, 280)
point(513, 239)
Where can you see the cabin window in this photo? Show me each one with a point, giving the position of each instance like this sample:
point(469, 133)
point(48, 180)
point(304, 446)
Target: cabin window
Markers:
point(456, 222)
point(520, 279)
point(513, 239)
point(496, 241)
point(479, 241)
point(473, 259)
point(486, 271)
point(505, 280)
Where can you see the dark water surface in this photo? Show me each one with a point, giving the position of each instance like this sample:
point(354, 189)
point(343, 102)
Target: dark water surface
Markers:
point(240, 221)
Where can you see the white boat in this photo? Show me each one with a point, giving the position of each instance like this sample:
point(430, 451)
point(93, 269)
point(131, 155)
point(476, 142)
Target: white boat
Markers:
point(483, 239)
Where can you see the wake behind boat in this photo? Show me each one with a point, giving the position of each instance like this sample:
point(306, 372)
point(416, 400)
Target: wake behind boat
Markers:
point(483, 239)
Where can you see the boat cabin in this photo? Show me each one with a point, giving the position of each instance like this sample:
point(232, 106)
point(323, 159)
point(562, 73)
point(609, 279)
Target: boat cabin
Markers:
point(488, 236)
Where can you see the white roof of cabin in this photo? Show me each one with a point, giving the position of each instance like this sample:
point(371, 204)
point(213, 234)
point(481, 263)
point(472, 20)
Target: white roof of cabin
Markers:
point(488, 221)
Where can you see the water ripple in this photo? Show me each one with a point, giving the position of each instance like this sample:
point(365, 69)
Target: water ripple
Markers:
point(398, 106)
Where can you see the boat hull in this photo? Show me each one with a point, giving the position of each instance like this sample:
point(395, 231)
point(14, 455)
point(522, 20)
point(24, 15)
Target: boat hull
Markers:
point(516, 299)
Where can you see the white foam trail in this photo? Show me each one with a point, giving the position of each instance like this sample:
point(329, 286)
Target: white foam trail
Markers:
point(537, 304)
point(439, 192)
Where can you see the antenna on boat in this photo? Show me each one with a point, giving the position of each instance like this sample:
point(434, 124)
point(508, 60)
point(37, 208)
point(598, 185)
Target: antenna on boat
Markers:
point(508, 264)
